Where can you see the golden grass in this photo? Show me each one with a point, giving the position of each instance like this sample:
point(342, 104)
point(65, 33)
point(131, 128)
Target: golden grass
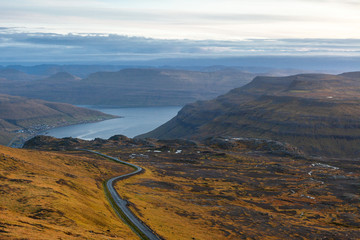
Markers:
point(239, 196)
point(160, 209)
point(207, 192)
point(57, 196)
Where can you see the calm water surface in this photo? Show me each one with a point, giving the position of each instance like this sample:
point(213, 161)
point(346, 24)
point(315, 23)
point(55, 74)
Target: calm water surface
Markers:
point(134, 121)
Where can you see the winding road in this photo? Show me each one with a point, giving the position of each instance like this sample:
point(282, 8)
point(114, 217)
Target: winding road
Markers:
point(128, 217)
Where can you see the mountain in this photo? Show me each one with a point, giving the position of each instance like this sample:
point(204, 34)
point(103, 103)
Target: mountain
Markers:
point(132, 87)
point(75, 69)
point(13, 74)
point(22, 117)
point(84, 71)
point(61, 77)
point(319, 113)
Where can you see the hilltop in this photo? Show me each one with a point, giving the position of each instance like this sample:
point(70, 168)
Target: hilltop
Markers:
point(22, 117)
point(316, 112)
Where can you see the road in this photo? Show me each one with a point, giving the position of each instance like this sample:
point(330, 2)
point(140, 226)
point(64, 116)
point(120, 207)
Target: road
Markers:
point(140, 228)
point(12, 140)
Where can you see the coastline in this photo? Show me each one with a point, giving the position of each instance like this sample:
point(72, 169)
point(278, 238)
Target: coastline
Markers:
point(19, 140)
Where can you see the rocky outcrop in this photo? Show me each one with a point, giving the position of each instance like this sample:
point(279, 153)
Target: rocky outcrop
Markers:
point(254, 144)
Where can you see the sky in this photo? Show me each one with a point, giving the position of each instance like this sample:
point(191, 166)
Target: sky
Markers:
point(145, 29)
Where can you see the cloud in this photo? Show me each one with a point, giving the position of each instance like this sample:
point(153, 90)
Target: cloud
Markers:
point(16, 46)
point(200, 19)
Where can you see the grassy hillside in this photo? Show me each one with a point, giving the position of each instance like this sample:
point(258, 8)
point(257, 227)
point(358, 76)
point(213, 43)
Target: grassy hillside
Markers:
point(46, 195)
point(132, 87)
point(24, 117)
point(316, 112)
point(232, 188)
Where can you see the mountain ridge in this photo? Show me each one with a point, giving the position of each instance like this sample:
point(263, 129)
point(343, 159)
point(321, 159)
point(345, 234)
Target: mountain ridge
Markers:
point(317, 113)
point(131, 87)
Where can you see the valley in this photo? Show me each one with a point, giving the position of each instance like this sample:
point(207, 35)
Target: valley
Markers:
point(274, 159)
point(180, 120)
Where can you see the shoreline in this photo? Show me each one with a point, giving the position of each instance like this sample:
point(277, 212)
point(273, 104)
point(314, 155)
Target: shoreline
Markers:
point(19, 140)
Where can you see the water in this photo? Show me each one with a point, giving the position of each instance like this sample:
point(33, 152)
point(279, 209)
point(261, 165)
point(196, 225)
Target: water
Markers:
point(134, 121)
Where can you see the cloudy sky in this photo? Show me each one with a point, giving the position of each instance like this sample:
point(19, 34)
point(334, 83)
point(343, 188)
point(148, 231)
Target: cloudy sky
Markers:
point(165, 28)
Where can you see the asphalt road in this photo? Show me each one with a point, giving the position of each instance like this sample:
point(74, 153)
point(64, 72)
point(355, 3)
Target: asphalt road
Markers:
point(122, 204)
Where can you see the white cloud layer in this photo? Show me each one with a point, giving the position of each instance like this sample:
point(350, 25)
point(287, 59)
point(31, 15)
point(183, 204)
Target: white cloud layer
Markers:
point(18, 46)
point(190, 19)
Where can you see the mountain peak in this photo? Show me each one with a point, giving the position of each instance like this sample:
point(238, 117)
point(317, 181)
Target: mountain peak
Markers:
point(63, 76)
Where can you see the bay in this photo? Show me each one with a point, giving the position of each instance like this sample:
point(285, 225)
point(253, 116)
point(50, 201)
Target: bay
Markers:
point(133, 121)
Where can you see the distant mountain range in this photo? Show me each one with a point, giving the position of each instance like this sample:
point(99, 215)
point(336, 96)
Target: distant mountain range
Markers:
point(130, 87)
point(254, 64)
point(318, 113)
point(51, 69)
point(22, 117)
point(16, 75)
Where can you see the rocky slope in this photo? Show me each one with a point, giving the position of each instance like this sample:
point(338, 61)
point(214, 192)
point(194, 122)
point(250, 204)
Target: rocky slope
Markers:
point(318, 113)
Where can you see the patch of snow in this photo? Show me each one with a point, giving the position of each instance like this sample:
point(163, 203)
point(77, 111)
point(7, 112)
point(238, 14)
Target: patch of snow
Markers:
point(324, 165)
point(133, 155)
point(238, 138)
point(310, 197)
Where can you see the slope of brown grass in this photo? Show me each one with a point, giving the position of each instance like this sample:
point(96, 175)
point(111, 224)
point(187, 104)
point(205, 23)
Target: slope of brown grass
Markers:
point(233, 189)
point(47, 195)
point(207, 194)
